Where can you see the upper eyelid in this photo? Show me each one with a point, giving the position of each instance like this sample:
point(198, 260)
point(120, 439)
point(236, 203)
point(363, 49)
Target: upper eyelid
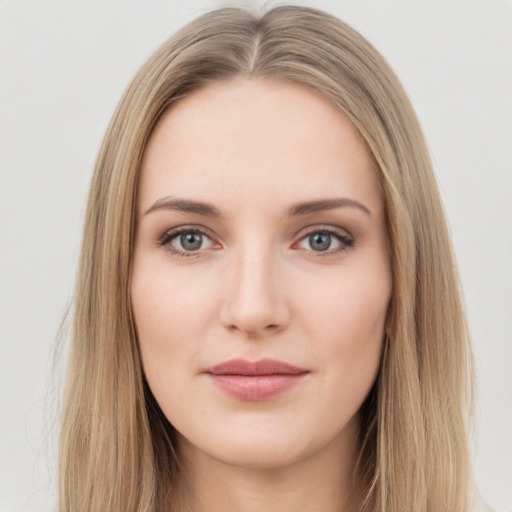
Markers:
point(317, 228)
point(187, 229)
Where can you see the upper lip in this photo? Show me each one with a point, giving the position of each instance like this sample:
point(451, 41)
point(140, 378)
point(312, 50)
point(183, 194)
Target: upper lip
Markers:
point(261, 367)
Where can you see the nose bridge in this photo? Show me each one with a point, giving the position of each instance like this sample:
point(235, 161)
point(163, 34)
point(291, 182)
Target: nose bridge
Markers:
point(255, 301)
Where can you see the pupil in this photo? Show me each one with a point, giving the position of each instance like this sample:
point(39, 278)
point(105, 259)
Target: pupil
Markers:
point(320, 241)
point(191, 241)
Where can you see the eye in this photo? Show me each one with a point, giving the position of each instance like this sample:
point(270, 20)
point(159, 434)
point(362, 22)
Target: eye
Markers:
point(186, 241)
point(325, 240)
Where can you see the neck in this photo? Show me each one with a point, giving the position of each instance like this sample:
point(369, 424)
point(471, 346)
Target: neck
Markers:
point(321, 482)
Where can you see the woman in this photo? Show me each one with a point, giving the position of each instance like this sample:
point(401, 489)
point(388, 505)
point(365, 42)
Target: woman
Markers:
point(267, 309)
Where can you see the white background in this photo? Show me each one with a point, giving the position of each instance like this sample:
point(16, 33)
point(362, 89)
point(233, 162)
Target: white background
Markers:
point(64, 65)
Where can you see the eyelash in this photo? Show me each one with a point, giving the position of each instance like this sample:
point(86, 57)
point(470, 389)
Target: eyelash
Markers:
point(168, 236)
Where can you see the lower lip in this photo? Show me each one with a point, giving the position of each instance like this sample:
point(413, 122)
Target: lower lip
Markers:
point(256, 387)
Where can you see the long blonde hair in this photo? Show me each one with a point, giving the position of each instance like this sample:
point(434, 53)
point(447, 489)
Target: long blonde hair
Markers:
point(116, 450)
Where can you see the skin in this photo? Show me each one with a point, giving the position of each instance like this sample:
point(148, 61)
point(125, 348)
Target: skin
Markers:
point(258, 288)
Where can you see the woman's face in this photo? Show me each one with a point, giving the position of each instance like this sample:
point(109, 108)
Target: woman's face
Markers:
point(261, 277)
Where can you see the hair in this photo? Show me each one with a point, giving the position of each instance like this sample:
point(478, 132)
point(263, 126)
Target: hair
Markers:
point(116, 448)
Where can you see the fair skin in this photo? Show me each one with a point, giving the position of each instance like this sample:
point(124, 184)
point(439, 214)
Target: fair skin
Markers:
point(287, 259)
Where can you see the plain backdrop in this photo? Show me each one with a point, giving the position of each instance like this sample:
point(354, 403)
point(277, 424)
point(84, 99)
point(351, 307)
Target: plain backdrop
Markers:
point(64, 65)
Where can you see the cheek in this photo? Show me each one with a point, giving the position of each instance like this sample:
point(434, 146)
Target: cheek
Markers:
point(171, 315)
point(351, 305)
point(347, 321)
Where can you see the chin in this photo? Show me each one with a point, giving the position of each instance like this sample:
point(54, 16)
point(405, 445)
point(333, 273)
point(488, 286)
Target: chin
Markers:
point(263, 446)
point(268, 455)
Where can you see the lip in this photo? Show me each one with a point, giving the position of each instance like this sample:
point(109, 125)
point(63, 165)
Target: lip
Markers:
point(255, 380)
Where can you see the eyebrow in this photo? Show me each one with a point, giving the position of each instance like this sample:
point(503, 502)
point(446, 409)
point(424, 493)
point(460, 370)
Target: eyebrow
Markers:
point(325, 204)
point(185, 205)
point(297, 209)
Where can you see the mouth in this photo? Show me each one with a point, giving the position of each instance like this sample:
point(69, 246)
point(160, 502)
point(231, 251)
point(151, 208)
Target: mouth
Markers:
point(255, 381)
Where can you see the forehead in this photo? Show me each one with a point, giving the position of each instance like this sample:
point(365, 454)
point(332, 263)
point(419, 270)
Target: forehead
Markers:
point(251, 139)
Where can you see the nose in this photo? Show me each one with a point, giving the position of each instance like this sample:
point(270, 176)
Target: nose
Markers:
point(254, 300)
